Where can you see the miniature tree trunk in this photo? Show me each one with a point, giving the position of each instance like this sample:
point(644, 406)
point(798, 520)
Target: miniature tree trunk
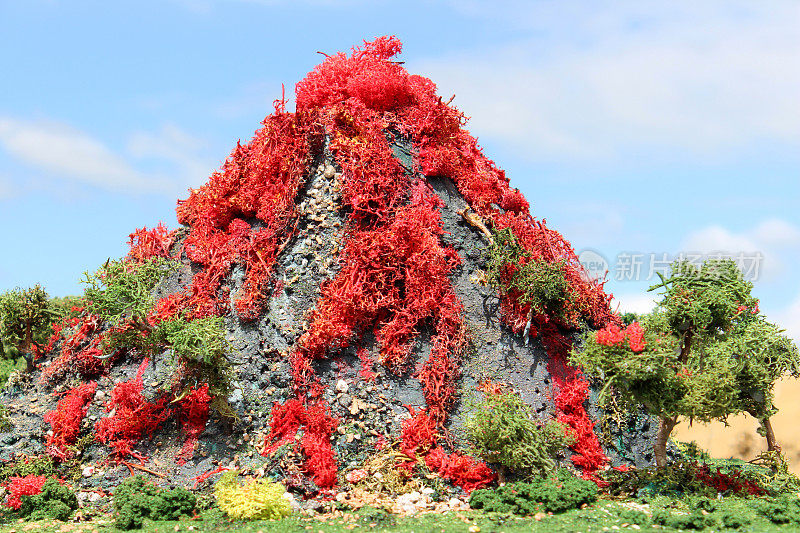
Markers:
point(769, 433)
point(665, 426)
point(26, 348)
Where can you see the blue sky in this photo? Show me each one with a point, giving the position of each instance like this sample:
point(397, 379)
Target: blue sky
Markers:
point(633, 127)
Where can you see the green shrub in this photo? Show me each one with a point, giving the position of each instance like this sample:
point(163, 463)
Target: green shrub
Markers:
point(735, 519)
point(56, 501)
point(704, 353)
point(554, 494)
point(502, 429)
point(121, 291)
point(541, 284)
point(135, 499)
point(257, 499)
point(37, 465)
point(201, 346)
point(694, 520)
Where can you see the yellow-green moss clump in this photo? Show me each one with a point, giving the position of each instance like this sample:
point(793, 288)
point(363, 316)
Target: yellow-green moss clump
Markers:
point(257, 499)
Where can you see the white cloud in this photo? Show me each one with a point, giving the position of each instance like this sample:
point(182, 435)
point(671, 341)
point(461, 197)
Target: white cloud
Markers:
point(63, 152)
point(777, 241)
point(175, 148)
point(705, 78)
point(634, 303)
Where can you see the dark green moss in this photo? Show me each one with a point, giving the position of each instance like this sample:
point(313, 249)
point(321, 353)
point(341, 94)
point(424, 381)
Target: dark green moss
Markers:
point(554, 494)
point(135, 499)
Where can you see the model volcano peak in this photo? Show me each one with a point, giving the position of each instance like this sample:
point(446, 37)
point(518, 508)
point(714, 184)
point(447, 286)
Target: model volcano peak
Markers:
point(345, 252)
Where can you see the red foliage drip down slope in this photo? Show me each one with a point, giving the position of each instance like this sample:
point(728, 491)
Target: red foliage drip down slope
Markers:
point(132, 416)
point(65, 420)
point(243, 214)
point(193, 411)
point(571, 392)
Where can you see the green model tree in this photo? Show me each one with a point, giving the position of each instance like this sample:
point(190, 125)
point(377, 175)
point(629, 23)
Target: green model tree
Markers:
point(25, 319)
point(705, 352)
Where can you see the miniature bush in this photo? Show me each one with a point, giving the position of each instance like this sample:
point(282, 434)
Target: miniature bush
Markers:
point(120, 291)
point(56, 501)
point(554, 494)
point(539, 284)
point(200, 346)
point(784, 509)
point(135, 499)
point(704, 353)
point(38, 497)
point(502, 429)
point(256, 499)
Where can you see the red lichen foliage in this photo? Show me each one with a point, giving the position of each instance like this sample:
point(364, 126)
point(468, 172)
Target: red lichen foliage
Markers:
point(418, 434)
point(81, 350)
point(149, 243)
point(192, 412)
point(23, 486)
point(65, 420)
point(367, 364)
point(461, 470)
point(133, 417)
point(318, 426)
point(571, 392)
point(613, 334)
point(394, 276)
point(733, 483)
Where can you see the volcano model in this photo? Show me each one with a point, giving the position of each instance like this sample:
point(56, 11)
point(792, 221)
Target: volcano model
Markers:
point(352, 279)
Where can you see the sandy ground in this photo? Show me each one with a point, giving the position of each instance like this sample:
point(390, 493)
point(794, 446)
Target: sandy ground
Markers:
point(739, 439)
